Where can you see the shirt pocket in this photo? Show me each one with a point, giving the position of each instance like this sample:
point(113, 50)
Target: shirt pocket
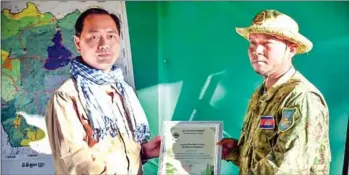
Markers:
point(265, 139)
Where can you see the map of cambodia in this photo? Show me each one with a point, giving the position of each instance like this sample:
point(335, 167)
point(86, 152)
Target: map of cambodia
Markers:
point(34, 57)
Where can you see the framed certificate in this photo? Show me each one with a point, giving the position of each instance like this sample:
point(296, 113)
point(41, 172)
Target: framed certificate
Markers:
point(189, 148)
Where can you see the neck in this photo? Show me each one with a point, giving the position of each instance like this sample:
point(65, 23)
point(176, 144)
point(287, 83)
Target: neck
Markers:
point(272, 79)
point(106, 70)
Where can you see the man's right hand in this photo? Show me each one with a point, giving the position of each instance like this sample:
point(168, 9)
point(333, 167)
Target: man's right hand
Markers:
point(228, 145)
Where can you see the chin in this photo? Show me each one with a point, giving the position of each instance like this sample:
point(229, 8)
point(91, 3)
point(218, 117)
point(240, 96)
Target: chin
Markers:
point(102, 67)
point(105, 68)
point(260, 72)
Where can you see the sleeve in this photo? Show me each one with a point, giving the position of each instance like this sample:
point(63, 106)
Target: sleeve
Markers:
point(66, 136)
point(302, 128)
point(234, 155)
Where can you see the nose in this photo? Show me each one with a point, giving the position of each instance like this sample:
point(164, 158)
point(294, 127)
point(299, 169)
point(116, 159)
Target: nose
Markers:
point(259, 50)
point(103, 44)
point(103, 47)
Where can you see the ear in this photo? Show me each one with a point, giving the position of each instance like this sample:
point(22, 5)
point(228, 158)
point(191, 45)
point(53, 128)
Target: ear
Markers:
point(293, 49)
point(77, 43)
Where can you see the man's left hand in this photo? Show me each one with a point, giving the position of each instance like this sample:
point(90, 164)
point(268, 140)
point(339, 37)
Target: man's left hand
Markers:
point(152, 148)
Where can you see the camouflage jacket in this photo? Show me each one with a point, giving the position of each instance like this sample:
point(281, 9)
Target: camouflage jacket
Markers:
point(285, 130)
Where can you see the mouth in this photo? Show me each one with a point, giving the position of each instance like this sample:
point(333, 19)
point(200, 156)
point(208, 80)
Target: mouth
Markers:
point(104, 55)
point(258, 61)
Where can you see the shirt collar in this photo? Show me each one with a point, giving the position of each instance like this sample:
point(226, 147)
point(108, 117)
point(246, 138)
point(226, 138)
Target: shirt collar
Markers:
point(282, 80)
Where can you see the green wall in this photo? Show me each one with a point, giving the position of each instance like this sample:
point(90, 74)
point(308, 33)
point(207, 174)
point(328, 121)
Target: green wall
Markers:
point(190, 64)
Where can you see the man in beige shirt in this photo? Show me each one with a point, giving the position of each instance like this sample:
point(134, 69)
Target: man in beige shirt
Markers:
point(95, 122)
point(285, 130)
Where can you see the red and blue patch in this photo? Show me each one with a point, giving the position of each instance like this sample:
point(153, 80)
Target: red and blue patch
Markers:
point(267, 122)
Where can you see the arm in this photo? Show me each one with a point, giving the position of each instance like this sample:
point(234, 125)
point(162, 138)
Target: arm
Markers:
point(230, 150)
point(150, 149)
point(66, 136)
point(295, 146)
point(232, 147)
point(144, 157)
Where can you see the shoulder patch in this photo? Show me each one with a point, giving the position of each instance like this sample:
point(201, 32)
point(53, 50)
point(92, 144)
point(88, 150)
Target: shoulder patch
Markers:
point(287, 119)
point(267, 122)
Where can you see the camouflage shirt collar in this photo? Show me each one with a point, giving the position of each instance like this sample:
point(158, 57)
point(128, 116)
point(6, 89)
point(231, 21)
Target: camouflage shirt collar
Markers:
point(282, 80)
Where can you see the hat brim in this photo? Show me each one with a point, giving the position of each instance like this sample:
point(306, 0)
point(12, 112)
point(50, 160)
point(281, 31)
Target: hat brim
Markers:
point(303, 44)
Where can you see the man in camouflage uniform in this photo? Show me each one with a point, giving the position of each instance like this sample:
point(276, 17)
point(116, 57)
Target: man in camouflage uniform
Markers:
point(285, 130)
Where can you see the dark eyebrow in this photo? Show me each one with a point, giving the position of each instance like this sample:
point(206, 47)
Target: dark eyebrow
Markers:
point(113, 31)
point(92, 31)
point(108, 31)
point(252, 40)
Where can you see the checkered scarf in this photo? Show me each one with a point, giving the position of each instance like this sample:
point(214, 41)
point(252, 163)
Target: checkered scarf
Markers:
point(105, 119)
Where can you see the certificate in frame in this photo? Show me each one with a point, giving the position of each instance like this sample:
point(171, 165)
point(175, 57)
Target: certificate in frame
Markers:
point(189, 148)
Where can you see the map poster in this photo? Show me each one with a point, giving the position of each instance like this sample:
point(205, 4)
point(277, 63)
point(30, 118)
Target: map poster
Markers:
point(36, 47)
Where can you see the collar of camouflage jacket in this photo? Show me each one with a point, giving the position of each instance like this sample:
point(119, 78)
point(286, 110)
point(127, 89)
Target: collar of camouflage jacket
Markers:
point(276, 86)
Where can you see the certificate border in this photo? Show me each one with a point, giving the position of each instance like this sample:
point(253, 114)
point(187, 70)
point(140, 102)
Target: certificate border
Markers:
point(219, 135)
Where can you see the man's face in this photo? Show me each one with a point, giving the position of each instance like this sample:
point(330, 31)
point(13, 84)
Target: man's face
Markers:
point(268, 54)
point(99, 42)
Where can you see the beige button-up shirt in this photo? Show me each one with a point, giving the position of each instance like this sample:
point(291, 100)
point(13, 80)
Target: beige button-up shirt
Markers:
point(74, 151)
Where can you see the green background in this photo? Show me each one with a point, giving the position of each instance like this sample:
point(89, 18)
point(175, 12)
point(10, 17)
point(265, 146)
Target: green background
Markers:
point(190, 64)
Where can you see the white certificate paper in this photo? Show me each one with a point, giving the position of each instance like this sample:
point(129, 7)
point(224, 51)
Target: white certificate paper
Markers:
point(189, 148)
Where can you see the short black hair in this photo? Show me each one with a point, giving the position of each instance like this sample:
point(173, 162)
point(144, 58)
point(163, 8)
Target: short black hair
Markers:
point(94, 11)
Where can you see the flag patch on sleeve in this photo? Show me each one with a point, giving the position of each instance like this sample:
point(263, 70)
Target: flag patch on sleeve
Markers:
point(267, 122)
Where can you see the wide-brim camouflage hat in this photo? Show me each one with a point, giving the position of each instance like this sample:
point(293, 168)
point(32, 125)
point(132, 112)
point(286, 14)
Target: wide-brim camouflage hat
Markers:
point(275, 23)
